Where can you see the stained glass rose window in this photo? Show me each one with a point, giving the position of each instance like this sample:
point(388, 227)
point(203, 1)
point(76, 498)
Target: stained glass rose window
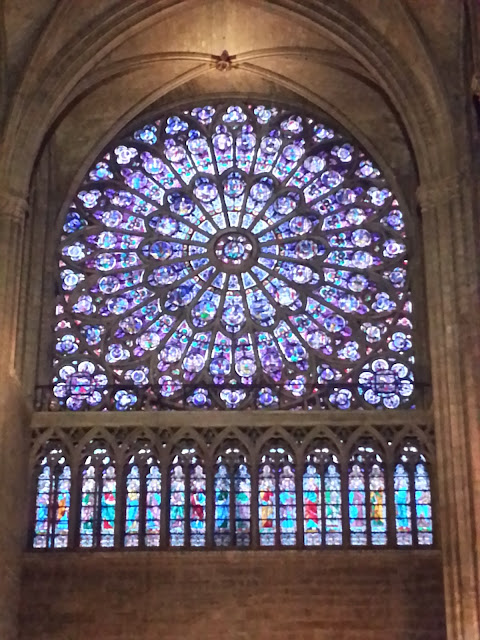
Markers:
point(233, 256)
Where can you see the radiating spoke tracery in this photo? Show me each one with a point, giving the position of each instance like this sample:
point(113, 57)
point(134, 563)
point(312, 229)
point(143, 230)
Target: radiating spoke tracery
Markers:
point(251, 252)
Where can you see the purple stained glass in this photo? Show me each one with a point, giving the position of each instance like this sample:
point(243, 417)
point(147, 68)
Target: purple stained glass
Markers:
point(227, 225)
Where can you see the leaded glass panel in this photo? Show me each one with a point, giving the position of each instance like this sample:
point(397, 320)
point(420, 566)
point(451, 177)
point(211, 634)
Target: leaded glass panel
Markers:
point(52, 503)
point(367, 505)
point(322, 499)
point(277, 499)
point(98, 499)
point(226, 256)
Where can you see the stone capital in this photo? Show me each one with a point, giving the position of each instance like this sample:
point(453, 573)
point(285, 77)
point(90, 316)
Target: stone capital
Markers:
point(12, 207)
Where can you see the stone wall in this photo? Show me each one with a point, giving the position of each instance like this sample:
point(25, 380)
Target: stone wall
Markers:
point(234, 595)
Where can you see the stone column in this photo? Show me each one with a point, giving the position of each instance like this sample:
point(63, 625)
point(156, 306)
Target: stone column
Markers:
point(13, 417)
point(452, 260)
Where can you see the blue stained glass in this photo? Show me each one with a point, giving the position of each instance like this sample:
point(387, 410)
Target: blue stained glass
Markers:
point(132, 508)
point(357, 506)
point(52, 505)
point(378, 506)
point(208, 232)
point(153, 501)
point(423, 505)
point(88, 509)
point(333, 506)
point(62, 511)
point(403, 511)
point(177, 506)
point(287, 506)
point(243, 494)
point(42, 524)
point(108, 500)
point(223, 535)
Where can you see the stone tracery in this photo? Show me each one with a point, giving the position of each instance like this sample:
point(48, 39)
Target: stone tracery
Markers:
point(248, 254)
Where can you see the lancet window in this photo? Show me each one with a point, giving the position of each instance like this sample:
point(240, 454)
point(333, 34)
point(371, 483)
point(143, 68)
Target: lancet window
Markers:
point(98, 498)
point(413, 501)
point(233, 490)
point(143, 498)
point(322, 498)
point(367, 498)
point(318, 497)
point(52, 500)
point(188, 496)
point(277, 499)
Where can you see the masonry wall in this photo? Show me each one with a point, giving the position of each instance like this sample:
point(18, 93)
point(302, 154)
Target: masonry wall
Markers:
point(233, 595)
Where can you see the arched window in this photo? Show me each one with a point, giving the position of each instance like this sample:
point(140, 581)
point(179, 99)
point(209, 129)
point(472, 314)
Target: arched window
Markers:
point(52, 502)
point(367, 498)
point(188, 499)
point(226, 256)
point(322, 498)
point(143, 498)
point(277, 499)
point(232, 499)
point(413, 502)
point(98, 499)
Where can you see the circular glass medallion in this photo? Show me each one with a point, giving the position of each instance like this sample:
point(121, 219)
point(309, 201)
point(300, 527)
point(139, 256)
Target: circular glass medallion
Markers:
point(233, 249)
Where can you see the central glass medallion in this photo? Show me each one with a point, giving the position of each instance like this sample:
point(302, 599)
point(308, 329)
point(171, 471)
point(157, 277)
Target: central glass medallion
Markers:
point(234, 249)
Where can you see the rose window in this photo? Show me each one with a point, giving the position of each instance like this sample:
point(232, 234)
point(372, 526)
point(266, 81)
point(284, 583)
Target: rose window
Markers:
point(229, 257)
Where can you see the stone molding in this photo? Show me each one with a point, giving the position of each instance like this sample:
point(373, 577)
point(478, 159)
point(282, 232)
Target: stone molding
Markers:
point(13, 207)
point(432, 194)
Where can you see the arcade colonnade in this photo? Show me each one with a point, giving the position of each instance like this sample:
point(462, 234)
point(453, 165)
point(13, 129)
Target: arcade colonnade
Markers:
point(399, 83)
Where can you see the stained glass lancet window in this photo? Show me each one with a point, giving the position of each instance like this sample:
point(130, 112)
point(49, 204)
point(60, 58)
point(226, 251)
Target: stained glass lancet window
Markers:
point(277, 513)
point(413, 502)
point(230, 256)
point(232, 499)
point(143, 499)
point(52, 502)
point(188, 499)
point(367, 502)
point(322, 498)
point(98, 499)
